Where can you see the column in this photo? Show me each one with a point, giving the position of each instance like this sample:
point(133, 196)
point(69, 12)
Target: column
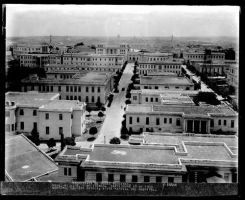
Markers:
point(192, 126)
point(208, 126)
point(200, 125)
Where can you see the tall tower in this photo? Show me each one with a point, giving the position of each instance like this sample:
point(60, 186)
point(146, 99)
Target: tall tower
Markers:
point(50, 39)
point(172, 41)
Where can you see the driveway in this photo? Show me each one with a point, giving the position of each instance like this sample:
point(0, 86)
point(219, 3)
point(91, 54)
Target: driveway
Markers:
point(114, 114)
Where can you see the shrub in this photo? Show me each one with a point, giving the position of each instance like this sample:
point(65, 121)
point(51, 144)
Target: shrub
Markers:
point(51, 143)
point(70, 141)
point(100, 114)
point(103, 109)
point(35, 137)
point(93, 130)
point(91, 139)
point(98, 104)
point(115, 140)
point(127, 101)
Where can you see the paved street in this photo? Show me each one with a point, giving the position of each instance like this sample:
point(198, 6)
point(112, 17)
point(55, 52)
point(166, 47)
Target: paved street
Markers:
point(204, 87)
point(112, 124)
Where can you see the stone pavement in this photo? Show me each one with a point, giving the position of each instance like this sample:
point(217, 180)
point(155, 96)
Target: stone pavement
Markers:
point(114, 114)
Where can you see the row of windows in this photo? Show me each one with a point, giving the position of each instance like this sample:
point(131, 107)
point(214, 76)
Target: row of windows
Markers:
point(232, 123)
point(134, 178)
point(160, 66)
point(148, 71)
point(156, 87)
point(34, 112)
point(47, 130)
point(158, 59)
point(147, 120)
point(202, 56)
point(60, 116)
point(80, 98)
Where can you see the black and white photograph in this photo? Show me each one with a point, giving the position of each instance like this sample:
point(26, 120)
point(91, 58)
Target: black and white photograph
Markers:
point(121, 100)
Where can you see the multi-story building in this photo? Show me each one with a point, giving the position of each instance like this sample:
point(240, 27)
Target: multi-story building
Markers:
point(232, 75)
point(155, 57)
point(202, 164)
point(158, 67)
point(153, 96)
point(181, 118)
point(20, 49)
point(209, 69)
point(37, 60)
point(201, 57)
point(122, 49)
point(164, 82)
point(173, 159)
point(89, 87)
point(45, 113)
point(148, 96)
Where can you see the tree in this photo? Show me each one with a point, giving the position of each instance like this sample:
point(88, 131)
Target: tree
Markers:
point(103, 109)
point(88, 109)
point(70, 141)
point(124, 132)
point(115, 140)
point(51, 143)
point(35, 137)
point(127, 101)
point(100, 114)
point(208, 97)
point(62, 142)
point(98, 104)
point(93, 130)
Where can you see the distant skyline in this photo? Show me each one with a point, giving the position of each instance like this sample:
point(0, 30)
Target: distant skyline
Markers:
point(113, 20)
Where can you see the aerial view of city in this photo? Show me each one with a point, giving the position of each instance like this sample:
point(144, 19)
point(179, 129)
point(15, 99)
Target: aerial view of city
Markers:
point(122, 98)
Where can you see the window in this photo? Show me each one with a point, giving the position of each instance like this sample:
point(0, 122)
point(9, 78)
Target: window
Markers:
point(60, 117)
point(157, 121)
point(69, 171)
point(46, 116)
point(98, 99)
point(98, 177)
point(165, 120)
point(232, 123)
point(98, 89)
point(226, 177)
point(21, 112)
point(156, 99)
point(65, 171)
point(79, 98)
point(170, 179)
point(92, 99)
point(47, 130)
point(170, 120)
point(122, 178)
point(234, 177)
point(178, 122)
point(67, 97)
point(151, 99)
point(130, 120)
point(138, 119)
point(71, 88)
point(147, 120)
point(110, 177)
point(59, 88)
point(60, 130)
point(134, 178)
point(34, 112)
point(35, 125)
point(22, 125)
point(71, 97)
point(92, 89)
point(212, 123)
point(86, 98)
point(156, 87)
point(146, 179)
point(224, 122)
point(219, 122)
point(67, 88)
point(79, 88)
point(75, 88)
point(158, 179)
point(146, 99)
point(135, 98)
point(51, 88)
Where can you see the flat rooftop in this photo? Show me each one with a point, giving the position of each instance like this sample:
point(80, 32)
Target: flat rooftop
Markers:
point(208, 152)
point(31, 98)
point(158, 92)
point(133, 154)
point(95, 77)
point(176, 139)
point(23, 160)
point(164, 80)
point(182, 109)
point(62, 105)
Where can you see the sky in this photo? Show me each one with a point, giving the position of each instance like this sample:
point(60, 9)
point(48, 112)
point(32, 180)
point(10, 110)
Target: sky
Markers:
point(123, 20)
